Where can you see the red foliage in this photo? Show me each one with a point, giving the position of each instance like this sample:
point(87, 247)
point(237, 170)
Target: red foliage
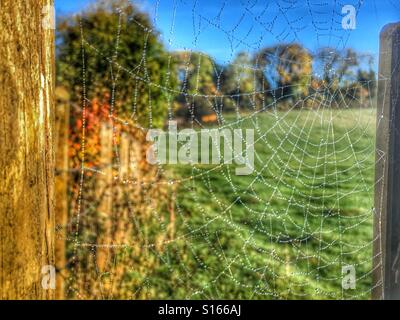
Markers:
point(85, 128)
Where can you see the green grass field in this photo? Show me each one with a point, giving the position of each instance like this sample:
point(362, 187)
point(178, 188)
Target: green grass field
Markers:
point(285, 231)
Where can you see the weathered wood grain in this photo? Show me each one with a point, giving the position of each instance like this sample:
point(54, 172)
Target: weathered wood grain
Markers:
point(26, 149)
point(386, 255)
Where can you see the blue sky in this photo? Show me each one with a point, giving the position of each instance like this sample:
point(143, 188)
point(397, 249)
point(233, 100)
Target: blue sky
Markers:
point(222, 28)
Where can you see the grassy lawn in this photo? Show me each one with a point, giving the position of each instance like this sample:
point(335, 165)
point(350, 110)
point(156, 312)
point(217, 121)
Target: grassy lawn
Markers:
point(286, 230)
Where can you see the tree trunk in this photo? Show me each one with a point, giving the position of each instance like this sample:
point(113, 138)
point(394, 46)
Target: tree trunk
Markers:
point(26, 153)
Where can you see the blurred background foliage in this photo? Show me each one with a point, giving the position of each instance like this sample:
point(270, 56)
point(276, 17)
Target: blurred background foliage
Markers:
point(118, 72)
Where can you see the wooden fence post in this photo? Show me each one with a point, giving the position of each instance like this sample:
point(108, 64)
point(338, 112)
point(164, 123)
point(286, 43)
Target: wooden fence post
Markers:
point(104, 191)
point(124, 155)
point(26, 150)
point(61, 186)
point(386, 257)
point(129, 157)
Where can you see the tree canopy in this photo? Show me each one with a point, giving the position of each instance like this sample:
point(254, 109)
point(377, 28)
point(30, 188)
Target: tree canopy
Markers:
point(113, 48)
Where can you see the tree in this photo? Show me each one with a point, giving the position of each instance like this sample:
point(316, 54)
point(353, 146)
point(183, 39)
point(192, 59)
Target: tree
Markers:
point(196, 74)
point(288, 67)
point(26, 152)
point(367, 79)
point(336, 67)
point(241, 81)
point(122, 56)
point(342, 74)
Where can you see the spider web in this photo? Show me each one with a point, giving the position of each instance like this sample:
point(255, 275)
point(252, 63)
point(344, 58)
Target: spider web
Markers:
point(288, 229)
